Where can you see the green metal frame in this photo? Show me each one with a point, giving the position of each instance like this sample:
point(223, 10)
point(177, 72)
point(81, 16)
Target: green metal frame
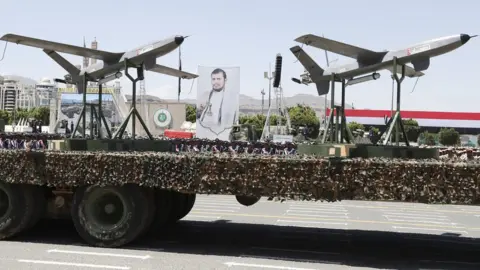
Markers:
point(94, 116)
point(396, 121)
point(333, 127)
point(133, 114)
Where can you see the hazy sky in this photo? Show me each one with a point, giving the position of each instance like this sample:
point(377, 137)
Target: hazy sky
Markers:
point(250, 33)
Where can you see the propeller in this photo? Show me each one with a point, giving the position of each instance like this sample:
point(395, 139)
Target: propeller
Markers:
point(179, 68)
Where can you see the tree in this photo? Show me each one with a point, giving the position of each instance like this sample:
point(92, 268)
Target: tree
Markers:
point(428, 138)
point(191, 113)
point(257, 120)
point(449, 136)
point(355, 125)
point(302, 116)
point(39, 114)
point(478, 140)
point(411, 129)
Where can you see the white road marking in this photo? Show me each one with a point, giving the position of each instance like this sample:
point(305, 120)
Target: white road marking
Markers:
point(415, 217)
point(428, 229)
point(230, 264)
point(214, 210)
point(214, 206)
point(422, 221)
point(318, 216)
point(311, 222)
point(216, 203)
point(82, 265)
point(199, 216)
point(414, 214)
point(144, 257)
point(315, 210)
point(319, 212)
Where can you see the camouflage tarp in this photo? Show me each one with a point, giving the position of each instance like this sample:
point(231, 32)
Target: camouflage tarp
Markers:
point(299, 177)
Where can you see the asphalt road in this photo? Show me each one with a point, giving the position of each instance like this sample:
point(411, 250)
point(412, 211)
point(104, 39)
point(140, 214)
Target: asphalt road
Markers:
point(219, 233)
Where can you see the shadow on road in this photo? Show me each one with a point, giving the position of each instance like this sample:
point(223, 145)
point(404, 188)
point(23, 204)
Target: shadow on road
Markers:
point(375, 249)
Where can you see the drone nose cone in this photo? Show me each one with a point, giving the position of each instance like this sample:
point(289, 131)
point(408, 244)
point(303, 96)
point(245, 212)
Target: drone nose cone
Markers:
point(179, 40)
point(464, 38)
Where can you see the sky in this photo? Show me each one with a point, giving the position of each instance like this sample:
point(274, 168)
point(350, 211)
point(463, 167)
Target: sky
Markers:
point(249, 34)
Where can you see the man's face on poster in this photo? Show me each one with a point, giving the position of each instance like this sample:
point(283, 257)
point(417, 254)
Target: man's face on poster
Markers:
point(218, 81)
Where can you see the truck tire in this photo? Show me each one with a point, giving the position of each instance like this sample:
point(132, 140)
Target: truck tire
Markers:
point(183, 204)
point(163, 208)
point(37, 193)
point(16, 208)
point(110, 216)
point(189, 203)
point(151, 209)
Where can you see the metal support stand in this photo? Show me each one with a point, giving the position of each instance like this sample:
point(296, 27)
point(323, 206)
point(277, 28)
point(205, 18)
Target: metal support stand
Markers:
point(396, 120)
point(332, 127)
point(133, 108)
point(94, 116)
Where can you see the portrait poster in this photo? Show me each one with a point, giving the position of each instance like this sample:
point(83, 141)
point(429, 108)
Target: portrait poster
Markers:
point(218, 94)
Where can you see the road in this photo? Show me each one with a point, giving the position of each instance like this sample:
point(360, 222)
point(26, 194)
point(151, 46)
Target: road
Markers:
point(219, 233)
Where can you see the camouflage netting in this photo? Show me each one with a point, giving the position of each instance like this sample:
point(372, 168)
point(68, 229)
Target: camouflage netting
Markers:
point(296, 177)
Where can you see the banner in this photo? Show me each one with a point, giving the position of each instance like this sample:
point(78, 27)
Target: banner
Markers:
point(218, 95)
point(71, 107)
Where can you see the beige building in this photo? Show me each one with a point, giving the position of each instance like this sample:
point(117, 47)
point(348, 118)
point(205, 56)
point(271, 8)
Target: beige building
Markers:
point(158, 114)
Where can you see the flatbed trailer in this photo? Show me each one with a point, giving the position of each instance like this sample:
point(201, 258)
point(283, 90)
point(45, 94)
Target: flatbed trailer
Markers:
point(118, 191)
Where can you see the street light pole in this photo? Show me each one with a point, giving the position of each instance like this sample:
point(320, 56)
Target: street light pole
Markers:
point(263, 99)
point(269, 76)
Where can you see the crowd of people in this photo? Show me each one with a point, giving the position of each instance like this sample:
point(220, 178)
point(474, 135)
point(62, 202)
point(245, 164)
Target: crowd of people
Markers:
point(265, 148)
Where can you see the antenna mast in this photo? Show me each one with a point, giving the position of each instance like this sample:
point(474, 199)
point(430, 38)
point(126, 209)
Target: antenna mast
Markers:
point(279, 109)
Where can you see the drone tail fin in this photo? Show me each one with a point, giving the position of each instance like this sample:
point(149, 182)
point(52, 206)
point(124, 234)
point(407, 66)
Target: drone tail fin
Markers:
point(314, 70)
point(323, 87)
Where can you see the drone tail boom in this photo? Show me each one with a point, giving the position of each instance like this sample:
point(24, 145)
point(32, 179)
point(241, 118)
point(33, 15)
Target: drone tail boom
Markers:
point(315, 71)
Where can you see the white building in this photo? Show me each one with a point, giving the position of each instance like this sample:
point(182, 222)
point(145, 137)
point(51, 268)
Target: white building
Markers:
point(24, 93)
point(45, 90)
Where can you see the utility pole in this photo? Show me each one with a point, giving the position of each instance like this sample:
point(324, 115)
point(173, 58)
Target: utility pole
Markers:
point(263, 99)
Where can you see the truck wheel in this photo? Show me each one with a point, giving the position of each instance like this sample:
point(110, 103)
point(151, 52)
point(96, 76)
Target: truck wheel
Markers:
point(109, 216)
point(37, 193)
point(183, 204)
point(178, 201)
point(163, 208)
point(151, 209)
point(189, 203)
point(16, 208)
point(247, 200)
point(164, 202)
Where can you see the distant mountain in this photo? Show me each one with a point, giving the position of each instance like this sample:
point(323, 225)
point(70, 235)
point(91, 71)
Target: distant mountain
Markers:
point(250, 105)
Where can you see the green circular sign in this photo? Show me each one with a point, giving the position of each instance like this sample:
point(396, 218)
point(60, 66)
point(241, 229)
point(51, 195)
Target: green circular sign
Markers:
point(162, 118)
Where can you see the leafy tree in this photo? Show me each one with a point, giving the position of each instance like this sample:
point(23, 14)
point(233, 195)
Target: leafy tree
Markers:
point(411, 129)
point(478, 140)
point(428, 138)
point(355, 125)
point(5, 116)
point(449, 136)
point(302, 116)
point(191, 113)
point(257, 120)
point(39, 114)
